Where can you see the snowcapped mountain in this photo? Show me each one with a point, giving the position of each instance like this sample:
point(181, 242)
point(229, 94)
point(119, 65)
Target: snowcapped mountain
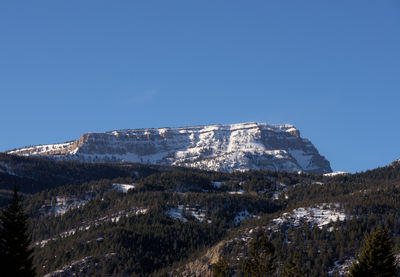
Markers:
point(225, 147)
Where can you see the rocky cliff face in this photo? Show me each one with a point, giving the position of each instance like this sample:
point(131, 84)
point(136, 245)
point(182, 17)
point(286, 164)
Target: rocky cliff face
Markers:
point(226, 148)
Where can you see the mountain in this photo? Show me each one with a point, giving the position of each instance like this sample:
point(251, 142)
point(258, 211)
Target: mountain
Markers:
point(224, 147)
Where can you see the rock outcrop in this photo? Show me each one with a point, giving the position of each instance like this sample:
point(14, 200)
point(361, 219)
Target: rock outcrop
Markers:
point(225, 147)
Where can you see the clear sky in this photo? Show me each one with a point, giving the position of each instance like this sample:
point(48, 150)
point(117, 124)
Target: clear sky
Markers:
point(331, 68)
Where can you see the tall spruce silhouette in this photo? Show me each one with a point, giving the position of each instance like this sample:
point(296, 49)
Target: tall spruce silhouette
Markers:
point(262, 260)
point(16, 256)
point(376, 258)
point(293, 267)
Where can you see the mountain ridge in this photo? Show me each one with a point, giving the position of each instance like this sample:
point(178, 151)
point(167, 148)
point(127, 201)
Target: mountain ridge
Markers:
point(219, 147)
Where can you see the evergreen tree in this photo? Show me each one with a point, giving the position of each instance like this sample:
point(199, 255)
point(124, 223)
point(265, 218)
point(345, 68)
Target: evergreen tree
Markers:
point(376, 258)
point(262, 259)
point(293, 268)
point(15, 254)
point(220, 268)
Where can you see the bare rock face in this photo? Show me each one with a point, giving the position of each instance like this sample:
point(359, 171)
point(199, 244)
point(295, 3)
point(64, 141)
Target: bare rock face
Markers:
point(227, 147)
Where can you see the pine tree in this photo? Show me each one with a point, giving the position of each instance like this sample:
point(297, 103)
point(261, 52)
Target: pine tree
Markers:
point(293, 268)
point(376, 258)
point(16, 257)
point(262, 259)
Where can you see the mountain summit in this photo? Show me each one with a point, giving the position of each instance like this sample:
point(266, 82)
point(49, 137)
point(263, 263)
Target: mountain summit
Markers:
point(224, 147)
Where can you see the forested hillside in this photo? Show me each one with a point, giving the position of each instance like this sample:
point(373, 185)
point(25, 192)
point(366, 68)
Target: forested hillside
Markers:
point(144, 220)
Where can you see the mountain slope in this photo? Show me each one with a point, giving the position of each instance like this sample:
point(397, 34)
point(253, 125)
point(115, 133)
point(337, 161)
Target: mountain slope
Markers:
point(168, 224)
point(227, 148)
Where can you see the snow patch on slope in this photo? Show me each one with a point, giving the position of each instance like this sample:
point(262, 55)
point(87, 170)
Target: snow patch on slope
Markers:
point(240, 191)
point(180, 212)
point(44, 149)
point(217, 184)
point(303, 159)
point(242, 216)
point(342, 269)
point(4, 168)
point(61, 204)
point(115, 217)
point(123, 187)
point(320, 216)
point(280, 187)
point(336, 173)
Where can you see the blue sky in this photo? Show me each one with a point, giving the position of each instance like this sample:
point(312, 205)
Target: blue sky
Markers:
point(331, 68)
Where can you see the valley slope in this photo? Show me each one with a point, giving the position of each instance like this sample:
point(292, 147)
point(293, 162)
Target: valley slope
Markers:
point(149, 220)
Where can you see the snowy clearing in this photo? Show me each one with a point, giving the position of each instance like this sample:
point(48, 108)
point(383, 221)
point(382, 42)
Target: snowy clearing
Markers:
point(123, 187)
point(320, 215)
point(336, 173)
point(236, 192)
point(115, 217)
point(342, 269)
point(280, 187)
point(180, 212)
point(61, 204)
point(242, 216)
point(217, 184)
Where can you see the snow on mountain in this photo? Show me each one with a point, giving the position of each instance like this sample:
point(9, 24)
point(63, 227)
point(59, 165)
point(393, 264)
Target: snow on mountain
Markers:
point(86, 225)
point(180, 212)
point(217, 184)
point(240, 191)
point(280, 187)
point(63, 204)
point(341, 269)
point(82, 267)
point(320, 215)
point(395, 163)
point(242, 216)
point(336, 173)
point(123, 187)
point(5, 168)
point(227, 147)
